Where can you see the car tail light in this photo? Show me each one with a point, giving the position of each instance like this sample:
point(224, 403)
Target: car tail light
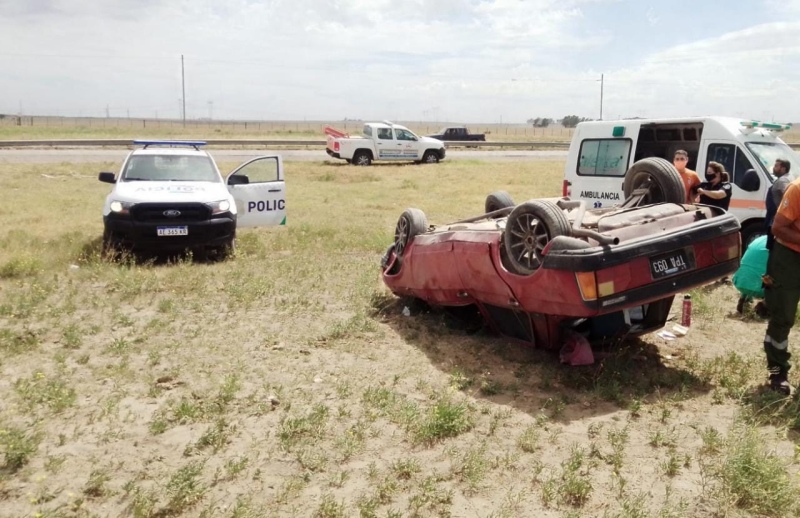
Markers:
point(588, 285)
point(726, 248)
point(335, 146)
point(566, 188)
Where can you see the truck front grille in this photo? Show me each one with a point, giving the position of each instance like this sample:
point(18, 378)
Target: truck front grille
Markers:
point(170, 212)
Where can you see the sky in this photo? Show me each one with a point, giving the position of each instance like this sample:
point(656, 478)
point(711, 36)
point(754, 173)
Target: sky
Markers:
point(481, 61)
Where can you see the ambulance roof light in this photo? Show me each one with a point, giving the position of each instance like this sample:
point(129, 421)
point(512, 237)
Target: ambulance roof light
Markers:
point(772, 126)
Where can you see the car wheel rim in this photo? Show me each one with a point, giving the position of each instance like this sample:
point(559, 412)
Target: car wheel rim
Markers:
point(529, 239)
point(362, 160)
point(654, 193)
point(431, 159)
point(401, 237)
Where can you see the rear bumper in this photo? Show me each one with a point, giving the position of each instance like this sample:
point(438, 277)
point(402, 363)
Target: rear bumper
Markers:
point(596, 258)
point(661, 289)
point(331, 153)
point(136, 235)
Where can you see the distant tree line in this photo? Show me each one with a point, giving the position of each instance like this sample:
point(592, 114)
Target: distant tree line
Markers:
point(569, 121)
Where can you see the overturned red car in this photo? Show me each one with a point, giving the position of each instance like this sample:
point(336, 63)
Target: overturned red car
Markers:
point(548, 266)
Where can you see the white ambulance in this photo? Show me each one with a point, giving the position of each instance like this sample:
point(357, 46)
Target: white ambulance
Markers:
point(601, 153)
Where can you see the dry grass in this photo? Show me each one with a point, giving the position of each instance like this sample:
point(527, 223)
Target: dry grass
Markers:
point(69, 128)
point(287, 382)
point(124, 128)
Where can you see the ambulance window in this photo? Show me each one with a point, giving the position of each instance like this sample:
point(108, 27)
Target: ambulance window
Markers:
point(732, 158)
point(604, 157)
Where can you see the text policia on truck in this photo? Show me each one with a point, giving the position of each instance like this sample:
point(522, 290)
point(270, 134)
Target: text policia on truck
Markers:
point(602, 152)
point(169, 196)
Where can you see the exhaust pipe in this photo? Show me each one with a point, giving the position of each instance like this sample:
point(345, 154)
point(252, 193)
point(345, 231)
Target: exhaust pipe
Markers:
point(576, 225)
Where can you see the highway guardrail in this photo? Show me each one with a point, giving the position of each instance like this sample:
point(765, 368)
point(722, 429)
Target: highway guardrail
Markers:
point(280, 143)
point(253, 142)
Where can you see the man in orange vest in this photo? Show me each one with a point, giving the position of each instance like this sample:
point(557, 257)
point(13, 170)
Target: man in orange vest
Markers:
point(690, 179)
point(782, 287)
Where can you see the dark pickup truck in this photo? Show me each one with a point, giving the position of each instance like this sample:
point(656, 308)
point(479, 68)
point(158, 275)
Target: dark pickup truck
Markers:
point(461, 134)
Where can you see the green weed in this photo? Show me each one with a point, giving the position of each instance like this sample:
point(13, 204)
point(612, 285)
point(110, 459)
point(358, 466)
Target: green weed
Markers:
point(18, 446)
point(48, 391)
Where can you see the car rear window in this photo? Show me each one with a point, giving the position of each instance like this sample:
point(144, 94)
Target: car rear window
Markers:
point(604, 157)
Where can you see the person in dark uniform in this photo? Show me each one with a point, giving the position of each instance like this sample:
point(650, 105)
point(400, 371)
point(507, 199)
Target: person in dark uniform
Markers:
point(775, 193)
point(716, 190)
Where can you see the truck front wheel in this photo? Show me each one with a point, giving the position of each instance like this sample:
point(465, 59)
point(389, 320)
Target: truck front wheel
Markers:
point(430, 157)
point(362, 158)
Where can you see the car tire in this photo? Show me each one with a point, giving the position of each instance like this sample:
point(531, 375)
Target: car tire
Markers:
point(228, 250)
point(430, 157)
point(664, 182)
point(750, 232)
point(362, 158)
point(529, 227)
point(498, 200)
point(411, 223)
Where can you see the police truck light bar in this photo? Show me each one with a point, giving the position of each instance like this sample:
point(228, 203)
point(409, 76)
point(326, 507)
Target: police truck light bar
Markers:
point(171, 143)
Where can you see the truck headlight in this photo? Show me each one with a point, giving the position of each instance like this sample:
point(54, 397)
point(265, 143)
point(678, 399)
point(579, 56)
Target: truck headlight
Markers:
point(121, 207)
point(218, 207)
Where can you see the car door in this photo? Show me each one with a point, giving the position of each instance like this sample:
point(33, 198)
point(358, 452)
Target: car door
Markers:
point(386, 146)
point(259, 189)
point(408, 144)
point(747, 199)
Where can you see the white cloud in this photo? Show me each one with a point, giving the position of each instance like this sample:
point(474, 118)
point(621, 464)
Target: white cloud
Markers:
point(747, 73)
point(472, 60)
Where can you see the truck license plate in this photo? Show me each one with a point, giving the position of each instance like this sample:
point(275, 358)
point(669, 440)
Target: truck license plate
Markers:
point(172, 231)
point(669, 264)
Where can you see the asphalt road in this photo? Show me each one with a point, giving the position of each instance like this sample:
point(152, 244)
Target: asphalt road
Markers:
point(50, 156)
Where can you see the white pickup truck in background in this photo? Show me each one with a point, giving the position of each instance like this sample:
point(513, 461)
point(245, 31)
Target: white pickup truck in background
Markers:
point(383, 141)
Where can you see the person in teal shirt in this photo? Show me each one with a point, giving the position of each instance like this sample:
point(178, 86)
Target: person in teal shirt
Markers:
point(747, 278)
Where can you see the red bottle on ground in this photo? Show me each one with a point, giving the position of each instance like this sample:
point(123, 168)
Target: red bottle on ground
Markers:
point(686, 315)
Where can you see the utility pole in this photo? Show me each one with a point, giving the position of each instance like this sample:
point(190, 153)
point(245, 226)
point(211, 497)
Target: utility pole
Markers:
point(601, 96)
point(183, 89)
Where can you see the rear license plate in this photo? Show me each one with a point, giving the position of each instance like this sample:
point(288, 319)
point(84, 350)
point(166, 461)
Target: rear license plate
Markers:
point(669, 264)
point(172, 231)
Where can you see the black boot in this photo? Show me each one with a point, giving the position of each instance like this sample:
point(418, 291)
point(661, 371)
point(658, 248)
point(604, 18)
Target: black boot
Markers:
point(740, 305)
point(779, 382)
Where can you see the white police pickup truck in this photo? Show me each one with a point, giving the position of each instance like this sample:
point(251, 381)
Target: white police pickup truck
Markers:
point(170, 196)
point(383, 141)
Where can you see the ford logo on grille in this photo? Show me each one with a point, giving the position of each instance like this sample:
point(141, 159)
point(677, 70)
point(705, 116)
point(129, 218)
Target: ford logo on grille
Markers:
point(172, 213)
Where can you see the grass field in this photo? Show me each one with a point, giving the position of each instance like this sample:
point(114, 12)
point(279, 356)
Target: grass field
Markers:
point(120, 128)
point(72, 128)
point(287, 382)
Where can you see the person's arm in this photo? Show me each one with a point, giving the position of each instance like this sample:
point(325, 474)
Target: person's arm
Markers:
point(783, 228)
point(695, 184)
point(714, 195)
point(719, 194)
point(777, 190)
